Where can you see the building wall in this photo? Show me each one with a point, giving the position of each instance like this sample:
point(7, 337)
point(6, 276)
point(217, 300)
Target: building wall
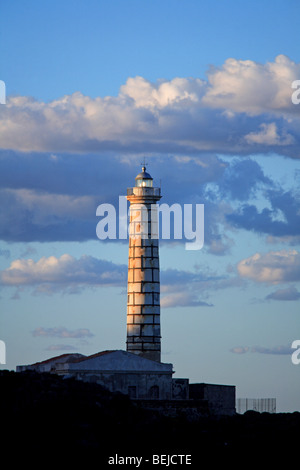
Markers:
point(143, 288)
point(180, 389)
point(136, 385)
point(220, 398)
point(143, 299)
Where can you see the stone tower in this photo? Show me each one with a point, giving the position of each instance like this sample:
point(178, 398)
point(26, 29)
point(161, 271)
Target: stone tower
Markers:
point(143, 303)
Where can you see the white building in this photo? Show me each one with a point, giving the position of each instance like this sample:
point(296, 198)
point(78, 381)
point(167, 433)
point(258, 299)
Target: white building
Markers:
point(118, 371)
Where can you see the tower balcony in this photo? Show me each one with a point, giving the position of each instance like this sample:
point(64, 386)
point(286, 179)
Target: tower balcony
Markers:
point(143, 192)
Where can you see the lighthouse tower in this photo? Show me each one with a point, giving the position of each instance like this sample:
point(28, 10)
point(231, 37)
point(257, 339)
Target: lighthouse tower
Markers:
point(143, 303)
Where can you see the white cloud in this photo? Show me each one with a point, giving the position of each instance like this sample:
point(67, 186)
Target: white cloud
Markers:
point(51, 274)
point(182, 299)
point(175, 115)
point(268, 135)
point(68, 274)
point(253, 88)
point(164, 93)
point(273, 267)
point(27, 271)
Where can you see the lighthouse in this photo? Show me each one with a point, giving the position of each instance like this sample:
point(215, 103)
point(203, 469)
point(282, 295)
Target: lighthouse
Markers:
point(138, 372)
point(143, 289)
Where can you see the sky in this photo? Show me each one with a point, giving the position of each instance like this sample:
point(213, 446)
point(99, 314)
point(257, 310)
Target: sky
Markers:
point(201, 90)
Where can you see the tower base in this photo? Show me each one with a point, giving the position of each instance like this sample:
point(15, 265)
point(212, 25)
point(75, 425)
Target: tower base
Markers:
point(146, 350)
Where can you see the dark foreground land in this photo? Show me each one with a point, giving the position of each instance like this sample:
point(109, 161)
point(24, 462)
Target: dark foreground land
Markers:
point(46, 419)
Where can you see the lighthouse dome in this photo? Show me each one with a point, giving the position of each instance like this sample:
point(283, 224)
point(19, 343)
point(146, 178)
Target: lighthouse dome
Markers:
point(144, 179)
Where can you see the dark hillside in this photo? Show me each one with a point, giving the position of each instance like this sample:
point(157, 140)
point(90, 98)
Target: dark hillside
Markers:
point(70, 421)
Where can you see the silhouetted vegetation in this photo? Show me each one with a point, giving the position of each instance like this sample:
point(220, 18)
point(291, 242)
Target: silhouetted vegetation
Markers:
point(68, 420)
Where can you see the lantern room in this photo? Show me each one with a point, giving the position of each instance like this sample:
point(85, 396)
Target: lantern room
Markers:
point(143, 179)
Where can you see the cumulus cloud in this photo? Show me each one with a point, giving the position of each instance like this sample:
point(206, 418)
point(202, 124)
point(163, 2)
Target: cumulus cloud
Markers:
point(165, 93)
point(51, 274)
point(268, 135)
point(244, 106)
point(245, 86)
point(183, 299)
point(69, 275)
point(273, 267)
point(289, 294)
point(66, 273)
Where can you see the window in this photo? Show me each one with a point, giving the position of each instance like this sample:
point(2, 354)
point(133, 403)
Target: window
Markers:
point(142, 183)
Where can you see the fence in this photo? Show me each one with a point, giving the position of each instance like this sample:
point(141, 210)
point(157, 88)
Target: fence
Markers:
point(256, 404)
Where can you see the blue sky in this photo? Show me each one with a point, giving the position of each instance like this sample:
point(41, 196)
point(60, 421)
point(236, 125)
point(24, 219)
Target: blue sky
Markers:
point(203, 91)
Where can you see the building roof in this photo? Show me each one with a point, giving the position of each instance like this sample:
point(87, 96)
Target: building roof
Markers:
point(101, 353)
point(109, 360)
point(115, 361)
point(67, 357)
